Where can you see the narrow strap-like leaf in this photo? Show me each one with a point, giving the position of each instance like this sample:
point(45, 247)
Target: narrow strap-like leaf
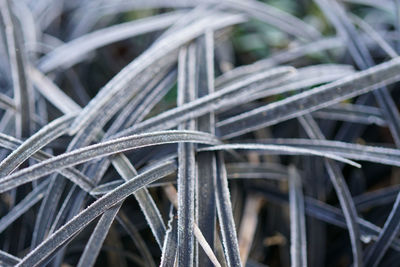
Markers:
point(283, 150)
point(225, 216)
point(102, 149)
point(298, 245)
point(92, 248)
point(41, 138)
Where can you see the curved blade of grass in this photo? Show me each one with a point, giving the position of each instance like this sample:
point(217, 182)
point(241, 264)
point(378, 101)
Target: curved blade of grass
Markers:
point(352, 113)
point(93, 246)
point(74, 51)
point(146, 202)
point(298, 245)
point(225, 216)
point(117, 87)
point(72, 174)
point(25, 204)
point(312, 100)
point(40, 139)
point(390, 230)
point(153, 217)
point(281, 149)
point(348, 208)
point(136, 237)
point(100, 150)
point(374, 154)
point(70, 229)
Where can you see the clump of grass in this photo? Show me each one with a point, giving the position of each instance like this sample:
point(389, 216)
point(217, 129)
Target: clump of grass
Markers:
point(144, 133)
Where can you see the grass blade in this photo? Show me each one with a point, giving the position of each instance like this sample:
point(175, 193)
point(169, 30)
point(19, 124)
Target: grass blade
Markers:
point(352, 113)
point(72, 174)
point(298, 245)
point(281, 149)
point(146, 202)
point(40, 139)
point(98, 150)
point(225, 216)
point(375, 154)
point(92, 248)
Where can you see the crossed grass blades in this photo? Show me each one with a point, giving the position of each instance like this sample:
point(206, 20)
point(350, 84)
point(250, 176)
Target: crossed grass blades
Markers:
point(199, 133)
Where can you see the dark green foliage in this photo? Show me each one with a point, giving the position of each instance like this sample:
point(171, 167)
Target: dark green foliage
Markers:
point(199, 133)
